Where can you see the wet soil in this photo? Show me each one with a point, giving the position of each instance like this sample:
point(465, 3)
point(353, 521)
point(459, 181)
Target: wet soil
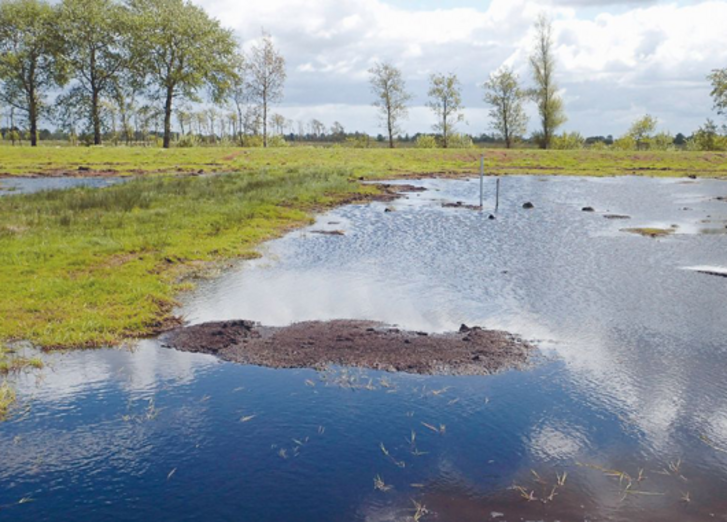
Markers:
point(365, 344)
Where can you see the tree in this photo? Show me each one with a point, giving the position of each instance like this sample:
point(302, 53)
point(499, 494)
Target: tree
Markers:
point(446, 102)
point(719, 90)
point(642, 130)
point(96, 34)
point(277, 122)
point(545, 93)
point(266, 78)
point(389, 87)
point(240, 96)
point(504, 95)
point(30, 58)
point(317, 128)
point(181, 50)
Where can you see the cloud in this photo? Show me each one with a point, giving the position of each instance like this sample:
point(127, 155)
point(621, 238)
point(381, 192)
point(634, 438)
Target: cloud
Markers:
point(613, 64)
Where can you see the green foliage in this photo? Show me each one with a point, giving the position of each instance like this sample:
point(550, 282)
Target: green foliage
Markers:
point(641, 131)
point(30, 57)
point(425, 141)
point(362, 141)
point(598, 145)
point(181, 50)
point(718, 79)
point(549, 103)
point(265, 77)
point(389, 87)
point(445, 100)
point(506, 98)
point(662, 141)
point(253, 141)
point(625, 143)
point(460, 141)
point(188, 141)
point(277, 141)
point(708, 138)
point(568, 141)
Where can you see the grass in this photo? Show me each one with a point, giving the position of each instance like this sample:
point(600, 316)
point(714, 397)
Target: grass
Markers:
point(87, 268)
point(10, 362)
point(48, 160)
point(7, 398)
point(651, 232)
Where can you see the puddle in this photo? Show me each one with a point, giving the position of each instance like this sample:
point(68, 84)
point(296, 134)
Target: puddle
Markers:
point(633, 379)
point(14, 186)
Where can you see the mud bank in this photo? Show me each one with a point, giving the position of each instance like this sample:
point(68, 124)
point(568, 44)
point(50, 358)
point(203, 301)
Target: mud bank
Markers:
point(365, 344)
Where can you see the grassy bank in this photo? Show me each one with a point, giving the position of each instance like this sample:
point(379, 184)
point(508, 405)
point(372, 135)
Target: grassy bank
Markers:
point(84, 267)
point(22, 161)
point(10, 363)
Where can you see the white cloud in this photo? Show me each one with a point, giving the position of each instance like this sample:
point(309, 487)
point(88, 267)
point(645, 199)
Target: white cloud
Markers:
point(613, 65)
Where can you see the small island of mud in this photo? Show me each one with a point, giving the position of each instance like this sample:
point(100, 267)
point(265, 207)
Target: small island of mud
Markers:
point(365, 344)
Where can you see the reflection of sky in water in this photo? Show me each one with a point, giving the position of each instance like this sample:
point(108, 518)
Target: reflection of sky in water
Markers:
point(14, 186)
point(638, 378)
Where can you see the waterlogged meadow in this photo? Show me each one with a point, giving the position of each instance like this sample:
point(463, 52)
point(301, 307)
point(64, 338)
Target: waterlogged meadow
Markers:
point(376, 162)
point(621, 417)
point(85, 267)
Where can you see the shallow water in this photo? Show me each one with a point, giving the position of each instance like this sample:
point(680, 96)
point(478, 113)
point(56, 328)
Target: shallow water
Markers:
point(633, 376)
point(14, 186)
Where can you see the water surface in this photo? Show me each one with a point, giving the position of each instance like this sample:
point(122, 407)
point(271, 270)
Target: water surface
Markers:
point(14, 186)
point(633, 377)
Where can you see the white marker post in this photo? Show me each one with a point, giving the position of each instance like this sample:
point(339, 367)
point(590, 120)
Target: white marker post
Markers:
point(482, 182)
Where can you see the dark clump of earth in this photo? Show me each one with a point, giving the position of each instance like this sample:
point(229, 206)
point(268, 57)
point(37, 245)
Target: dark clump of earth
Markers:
point(365, 344)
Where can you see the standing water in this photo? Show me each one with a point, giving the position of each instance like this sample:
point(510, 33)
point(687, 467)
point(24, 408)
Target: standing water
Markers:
point(624, 417)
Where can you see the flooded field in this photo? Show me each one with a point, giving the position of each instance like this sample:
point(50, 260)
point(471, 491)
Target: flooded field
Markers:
point(11, 186)
point(622, 417)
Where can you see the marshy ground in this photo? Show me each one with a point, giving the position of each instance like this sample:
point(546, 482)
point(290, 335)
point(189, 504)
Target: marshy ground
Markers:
point(623, 420)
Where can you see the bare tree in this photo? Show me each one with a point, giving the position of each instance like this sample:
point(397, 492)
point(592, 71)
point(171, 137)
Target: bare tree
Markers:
point(266, 78)
point(545, 93)
point(277, 122)
point(389, 87)
point(504, 95)
point(446, 102)
point(317, 128)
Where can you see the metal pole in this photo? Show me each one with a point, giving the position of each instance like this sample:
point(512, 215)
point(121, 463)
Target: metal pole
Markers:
point(482, 181)
point(497, 196)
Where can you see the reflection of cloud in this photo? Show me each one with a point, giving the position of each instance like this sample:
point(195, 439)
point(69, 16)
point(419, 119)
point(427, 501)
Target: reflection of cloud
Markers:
point(139, 369)
point(556, 443)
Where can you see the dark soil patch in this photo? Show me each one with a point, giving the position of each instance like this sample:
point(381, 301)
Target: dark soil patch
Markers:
point(366, 344)
point(459, 204)
point(329, 232)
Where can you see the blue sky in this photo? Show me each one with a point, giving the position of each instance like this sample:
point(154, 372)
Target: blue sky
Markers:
point(616, 60)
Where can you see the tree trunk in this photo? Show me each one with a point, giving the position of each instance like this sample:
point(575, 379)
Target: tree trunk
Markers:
point(265, 123)
point(391, 132)
point(95, 117)
point(168, 118)
point(33, 117)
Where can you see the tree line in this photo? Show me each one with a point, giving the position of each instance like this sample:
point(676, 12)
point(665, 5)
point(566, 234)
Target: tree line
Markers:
point(114, 60)
point(127, 68)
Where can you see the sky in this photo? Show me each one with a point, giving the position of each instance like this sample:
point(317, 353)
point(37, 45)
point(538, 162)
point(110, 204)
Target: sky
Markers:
point(617, 60)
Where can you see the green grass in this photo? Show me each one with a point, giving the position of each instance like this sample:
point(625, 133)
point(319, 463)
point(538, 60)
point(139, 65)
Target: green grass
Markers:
point(650, 232)
point(87, 267)
point(47, 160)
point(7, 398)
point(10, 362)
